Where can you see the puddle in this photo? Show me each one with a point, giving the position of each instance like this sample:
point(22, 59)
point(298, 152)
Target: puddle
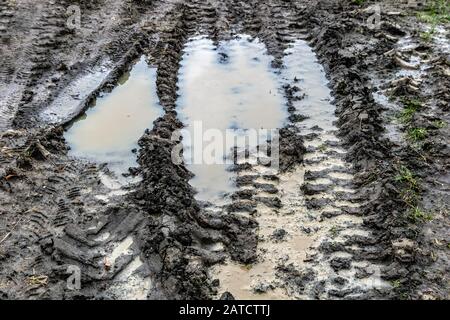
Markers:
point(111, 128)
point(391, 126)
point(226, 87)
point(309, 76)
point(259, 281)
point(241, 281)
point(441, 37)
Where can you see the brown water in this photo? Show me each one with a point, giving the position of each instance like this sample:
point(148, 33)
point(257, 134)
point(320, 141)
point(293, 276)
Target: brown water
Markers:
point(111, 128)
point(305, 229)
point(229, 86)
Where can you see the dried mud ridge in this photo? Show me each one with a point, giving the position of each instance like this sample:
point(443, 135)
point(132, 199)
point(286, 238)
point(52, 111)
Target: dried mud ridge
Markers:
point(154, 242)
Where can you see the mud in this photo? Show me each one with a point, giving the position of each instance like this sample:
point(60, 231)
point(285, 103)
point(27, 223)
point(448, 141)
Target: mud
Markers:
point(358, 210)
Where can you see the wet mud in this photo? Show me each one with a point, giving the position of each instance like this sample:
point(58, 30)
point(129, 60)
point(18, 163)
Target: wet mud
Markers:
point(357, 210)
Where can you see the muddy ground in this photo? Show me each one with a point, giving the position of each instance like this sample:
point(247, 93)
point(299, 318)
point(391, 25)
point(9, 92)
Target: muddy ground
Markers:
point(54, 214)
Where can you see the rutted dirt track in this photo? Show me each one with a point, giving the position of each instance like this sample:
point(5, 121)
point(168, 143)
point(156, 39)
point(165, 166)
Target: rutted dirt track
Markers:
point(359, 209)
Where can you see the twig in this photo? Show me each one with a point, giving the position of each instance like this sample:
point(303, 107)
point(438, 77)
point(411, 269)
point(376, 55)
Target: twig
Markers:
point(9, 233)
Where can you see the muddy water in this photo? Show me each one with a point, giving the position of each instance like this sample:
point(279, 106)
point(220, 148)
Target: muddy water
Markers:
point(308, 75)
point(290, 236)
point(259, 281)
point(226, 87)
point(110, 129)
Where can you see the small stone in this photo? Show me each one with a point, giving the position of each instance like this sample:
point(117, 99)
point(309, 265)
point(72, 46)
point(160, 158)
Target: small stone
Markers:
point(262, 288)
point(363, 116)
point(306, 230)
point(340, 263)
point(279, 234)
point(340, 281)
point(226, 296)
point(215, 283)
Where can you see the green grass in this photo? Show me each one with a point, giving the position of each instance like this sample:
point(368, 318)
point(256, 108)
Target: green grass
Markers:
point(405, 175)
point(437, 12)
point(417, 134)
point(408, 192)
point(427, 36)
point(358, 2)
point(433, 18)
point(417, 215)
point(410, 196)
point(440, 124)
point(410, 107)
point(323, 147)
point(334, 232)
point(396, 284)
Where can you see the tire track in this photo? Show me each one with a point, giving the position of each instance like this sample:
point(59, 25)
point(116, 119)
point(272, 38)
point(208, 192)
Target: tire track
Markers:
point(123, 252)
point(312, 241)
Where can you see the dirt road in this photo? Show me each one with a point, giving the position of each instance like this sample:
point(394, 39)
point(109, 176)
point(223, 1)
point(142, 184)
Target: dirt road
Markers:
point(358, 209)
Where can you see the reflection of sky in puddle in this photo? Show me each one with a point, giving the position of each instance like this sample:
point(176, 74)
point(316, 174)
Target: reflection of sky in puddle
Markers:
point(110, 129)
point(230, 86)
point(301, 64)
